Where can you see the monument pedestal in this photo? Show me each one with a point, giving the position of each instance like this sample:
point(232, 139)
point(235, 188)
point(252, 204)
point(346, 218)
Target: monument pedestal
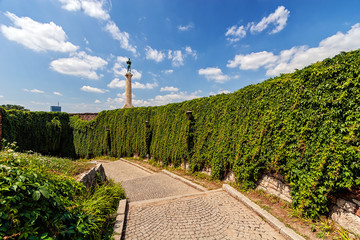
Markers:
point(128, 93)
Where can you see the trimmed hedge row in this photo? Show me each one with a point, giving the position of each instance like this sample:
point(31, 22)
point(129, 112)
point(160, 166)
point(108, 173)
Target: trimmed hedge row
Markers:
point(303, 126)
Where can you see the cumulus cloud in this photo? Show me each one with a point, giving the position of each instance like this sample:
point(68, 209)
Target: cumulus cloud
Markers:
point(92, 89)
point(80, 65)
point(219, 92)
point(214, 74)
point(157, 100)
point(169, 71)
point(253, 60)
point(122, 37)
point(190, 52)
point(36, 36)
point(57, 93)
point(1, 96)
point(176, 57)
point(235, 33)
point(154, 54)
point(299, 56)
point(278, 19)
point(169, 89)
point(117, 83)
point(97, 101)
point(185, 27)
point(171, 98)
point(92, 8)
point(33, 90)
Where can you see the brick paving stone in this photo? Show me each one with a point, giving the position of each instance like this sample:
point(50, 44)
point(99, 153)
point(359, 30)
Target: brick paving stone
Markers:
point(121, 171)
point(213, 215)
point(157, 185)
point(200, 215)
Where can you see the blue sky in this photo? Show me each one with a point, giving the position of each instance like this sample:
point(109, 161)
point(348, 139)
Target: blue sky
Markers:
point(74, 51)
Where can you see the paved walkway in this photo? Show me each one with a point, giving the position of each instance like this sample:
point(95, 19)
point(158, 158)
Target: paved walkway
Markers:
point(164, 208)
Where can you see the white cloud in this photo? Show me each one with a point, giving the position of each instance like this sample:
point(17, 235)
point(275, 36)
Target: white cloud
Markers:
point(219, 92)
point(154, 54)
point(191, 52)
point(185, 27)
point(299, 56)
point(79, 64)
point(1, 96)
point(37, 36)
point(214, 74)
point(33, 90)
point(171, 98)
point(122, 37)
point(117, 83)
point(252, 60)
point(278, 18)
point(157, 101)
point(235, 33)
point(169, 71)
point(137, 85)
point(97, 101)
point(92, 89)
point(92, 8)
point(57, 93)
point(169, 89)
point(223, 91)
point(176, 57)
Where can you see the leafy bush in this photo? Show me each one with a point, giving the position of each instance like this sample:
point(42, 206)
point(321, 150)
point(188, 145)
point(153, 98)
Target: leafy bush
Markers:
point(36, 204)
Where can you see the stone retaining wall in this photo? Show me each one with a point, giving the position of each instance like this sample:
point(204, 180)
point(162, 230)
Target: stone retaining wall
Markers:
point(344, 212)
point(91, 177)
point(275, 186)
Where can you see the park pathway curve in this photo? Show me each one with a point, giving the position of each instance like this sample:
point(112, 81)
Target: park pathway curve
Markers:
point(161, 207)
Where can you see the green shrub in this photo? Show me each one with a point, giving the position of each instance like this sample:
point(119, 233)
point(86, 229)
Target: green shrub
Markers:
point(36, 204)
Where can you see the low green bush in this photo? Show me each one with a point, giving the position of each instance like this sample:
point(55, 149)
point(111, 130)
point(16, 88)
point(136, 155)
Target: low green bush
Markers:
point(37, 204)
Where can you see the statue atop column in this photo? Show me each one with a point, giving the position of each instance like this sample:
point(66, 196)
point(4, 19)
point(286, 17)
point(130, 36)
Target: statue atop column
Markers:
point(128, 65)
point(128, 94)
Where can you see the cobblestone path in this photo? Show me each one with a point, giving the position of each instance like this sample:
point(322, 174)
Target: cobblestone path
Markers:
point(164, 208)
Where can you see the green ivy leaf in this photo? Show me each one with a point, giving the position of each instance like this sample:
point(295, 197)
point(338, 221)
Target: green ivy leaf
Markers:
point(36, 195)
point(44, 192)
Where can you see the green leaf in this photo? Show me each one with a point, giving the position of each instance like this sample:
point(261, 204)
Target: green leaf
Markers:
point(36, 195)
point(44, 192)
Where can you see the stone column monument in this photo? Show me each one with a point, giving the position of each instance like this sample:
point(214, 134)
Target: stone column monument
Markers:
point(128, 94)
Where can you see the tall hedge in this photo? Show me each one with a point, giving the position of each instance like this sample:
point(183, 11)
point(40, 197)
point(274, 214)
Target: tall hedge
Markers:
point(303, 126)
point(42, 132)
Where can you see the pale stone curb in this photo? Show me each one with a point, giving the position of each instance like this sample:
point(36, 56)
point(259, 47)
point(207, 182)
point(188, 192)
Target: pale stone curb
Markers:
point(274, 222)
point(194, 185)
point(137, 165)
point(120, 219)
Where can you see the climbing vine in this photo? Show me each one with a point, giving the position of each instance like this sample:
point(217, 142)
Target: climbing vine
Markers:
point(303, 126)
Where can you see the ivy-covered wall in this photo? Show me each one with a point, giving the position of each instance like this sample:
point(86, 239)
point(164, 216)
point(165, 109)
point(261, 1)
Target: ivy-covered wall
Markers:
point(303, 126)
point(43, 132)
